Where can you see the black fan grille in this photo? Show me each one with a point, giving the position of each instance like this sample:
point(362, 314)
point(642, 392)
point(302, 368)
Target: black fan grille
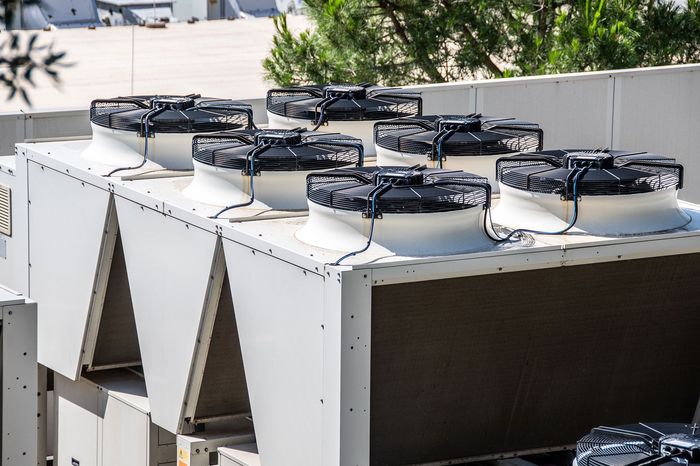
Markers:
point(415, 136)
point(521, 172)
point(379, 104)
point(441, 192)
point(206, 115)
point(606, 449)
point(325, 151)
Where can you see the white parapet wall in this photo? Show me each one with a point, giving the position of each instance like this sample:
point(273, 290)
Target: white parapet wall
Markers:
point(650, 109)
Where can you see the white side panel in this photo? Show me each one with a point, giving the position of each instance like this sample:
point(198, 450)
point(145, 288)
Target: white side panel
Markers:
point(239, 455)
point(20, 388)
point(78, 423)
point(661, 113)
point(169, 264)
point(279, 312)
point(18, 247)
point(125, 435)
point(65, 236)
point(572, 113)
point(356, 321)
point(346, 367)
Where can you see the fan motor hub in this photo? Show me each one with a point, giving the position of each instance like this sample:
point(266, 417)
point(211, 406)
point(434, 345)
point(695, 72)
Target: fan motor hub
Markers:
point(345, 92)
point(461, 125)
point(278, 138)
point(398, 177)
point(599, 160)
point(173, 103)
point(675, 444)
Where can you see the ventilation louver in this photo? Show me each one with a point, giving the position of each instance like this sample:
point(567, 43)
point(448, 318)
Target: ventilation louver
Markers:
point(5, 210)
point(278, 161)
point(616, 192)
point(346, 109)
point(466, 142)
point(125, 129)
point(410, 211)
point(640, 444)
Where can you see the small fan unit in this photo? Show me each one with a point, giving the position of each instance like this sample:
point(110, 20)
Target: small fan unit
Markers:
point(276, 160)
point(410, 211)
point(640, 445)
point(610, 192)
point(160, 128)
point(465, 142)
point(344, 109)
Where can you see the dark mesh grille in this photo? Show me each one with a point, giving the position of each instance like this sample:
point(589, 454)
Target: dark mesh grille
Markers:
point(380, 103)
point(497, 136)
point(191, 115)
point(441, 191)
point(317, 151)
point(632, 173)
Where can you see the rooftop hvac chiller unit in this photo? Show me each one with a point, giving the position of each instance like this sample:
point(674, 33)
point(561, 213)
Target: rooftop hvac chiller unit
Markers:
point(348, 109)
point(382, 354)
point(471, 143)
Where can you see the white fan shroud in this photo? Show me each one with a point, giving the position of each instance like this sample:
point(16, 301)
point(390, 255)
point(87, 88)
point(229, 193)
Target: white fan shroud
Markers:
point(619, 215)
point(362, 129)
point(119, 148)
point(415, 234)
point(280, 190)
point(483, 165)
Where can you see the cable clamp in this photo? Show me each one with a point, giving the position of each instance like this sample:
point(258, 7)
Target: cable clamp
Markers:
point(368, 214)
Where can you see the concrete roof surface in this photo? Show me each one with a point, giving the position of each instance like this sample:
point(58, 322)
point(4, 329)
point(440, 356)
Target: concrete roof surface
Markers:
point(214, 58)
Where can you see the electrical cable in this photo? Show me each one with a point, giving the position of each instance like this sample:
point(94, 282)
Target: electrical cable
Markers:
point(325, 102)
point(578, 174)
point(438, 146)
point(375, 193)
point(151, 113)
point(255, 151)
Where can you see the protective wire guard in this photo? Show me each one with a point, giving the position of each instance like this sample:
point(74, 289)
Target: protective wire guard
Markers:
point(314, 151)
point(649, 444)
point(497, 136)
point(379, 103)
point(631, 173)
point(600, 448)
point(189, 114)
point(441, 190)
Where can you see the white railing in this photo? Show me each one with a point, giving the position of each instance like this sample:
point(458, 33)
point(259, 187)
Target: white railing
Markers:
point(651, 109)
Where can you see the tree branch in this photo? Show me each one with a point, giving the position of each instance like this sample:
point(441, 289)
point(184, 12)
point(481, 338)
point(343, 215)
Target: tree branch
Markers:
point(473, 41)
point(423, 61)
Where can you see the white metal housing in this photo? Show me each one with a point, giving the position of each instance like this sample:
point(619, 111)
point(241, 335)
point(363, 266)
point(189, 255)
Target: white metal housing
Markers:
point(304, 327)
point(598, 215)
point(119, 148)
point(105, 421)
point(23, 393)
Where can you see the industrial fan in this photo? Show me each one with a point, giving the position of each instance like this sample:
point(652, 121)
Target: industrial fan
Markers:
point(349, 109)
point(467, 142)
point(128, 132)
point(640, 445)
point(406, 210)
point(602, 192)
point(235, 168)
